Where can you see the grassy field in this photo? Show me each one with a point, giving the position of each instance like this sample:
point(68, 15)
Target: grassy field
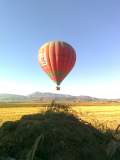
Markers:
point(97, 114)
point(100, 116)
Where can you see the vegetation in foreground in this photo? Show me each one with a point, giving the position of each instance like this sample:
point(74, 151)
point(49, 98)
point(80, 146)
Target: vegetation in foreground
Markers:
point(55, 135)
point(50, 135)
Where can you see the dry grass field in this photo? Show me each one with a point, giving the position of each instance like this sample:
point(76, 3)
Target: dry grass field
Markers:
point(101, 116)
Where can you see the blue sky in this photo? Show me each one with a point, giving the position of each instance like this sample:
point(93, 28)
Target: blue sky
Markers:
point(92, 27)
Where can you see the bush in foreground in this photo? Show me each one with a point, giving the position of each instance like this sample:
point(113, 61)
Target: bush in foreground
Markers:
point(51, 135)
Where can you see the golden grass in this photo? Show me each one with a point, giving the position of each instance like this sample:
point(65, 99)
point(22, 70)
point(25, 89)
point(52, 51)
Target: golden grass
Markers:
point(12, 113)
point(97, 115)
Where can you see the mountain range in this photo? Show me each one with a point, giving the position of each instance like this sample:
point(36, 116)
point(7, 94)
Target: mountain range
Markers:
point(40, 96)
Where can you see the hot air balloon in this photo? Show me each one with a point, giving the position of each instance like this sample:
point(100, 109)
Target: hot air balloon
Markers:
point(56, 58)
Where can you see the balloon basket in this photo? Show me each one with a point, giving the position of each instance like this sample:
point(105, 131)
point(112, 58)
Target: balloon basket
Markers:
point(57, 88)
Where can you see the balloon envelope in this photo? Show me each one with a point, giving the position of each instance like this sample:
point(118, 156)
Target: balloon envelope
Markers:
point(57, 58)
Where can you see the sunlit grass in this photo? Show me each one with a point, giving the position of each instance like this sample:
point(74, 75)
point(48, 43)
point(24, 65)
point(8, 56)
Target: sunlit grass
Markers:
point(99, 115)
point(109, 116)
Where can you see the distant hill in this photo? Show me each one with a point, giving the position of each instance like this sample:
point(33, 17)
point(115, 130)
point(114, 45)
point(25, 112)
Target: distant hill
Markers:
point(41, 96)
point(48, 95)
point(11, 97)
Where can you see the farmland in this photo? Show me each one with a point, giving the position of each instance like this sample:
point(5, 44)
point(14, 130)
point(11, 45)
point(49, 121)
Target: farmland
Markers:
point(107, 115)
